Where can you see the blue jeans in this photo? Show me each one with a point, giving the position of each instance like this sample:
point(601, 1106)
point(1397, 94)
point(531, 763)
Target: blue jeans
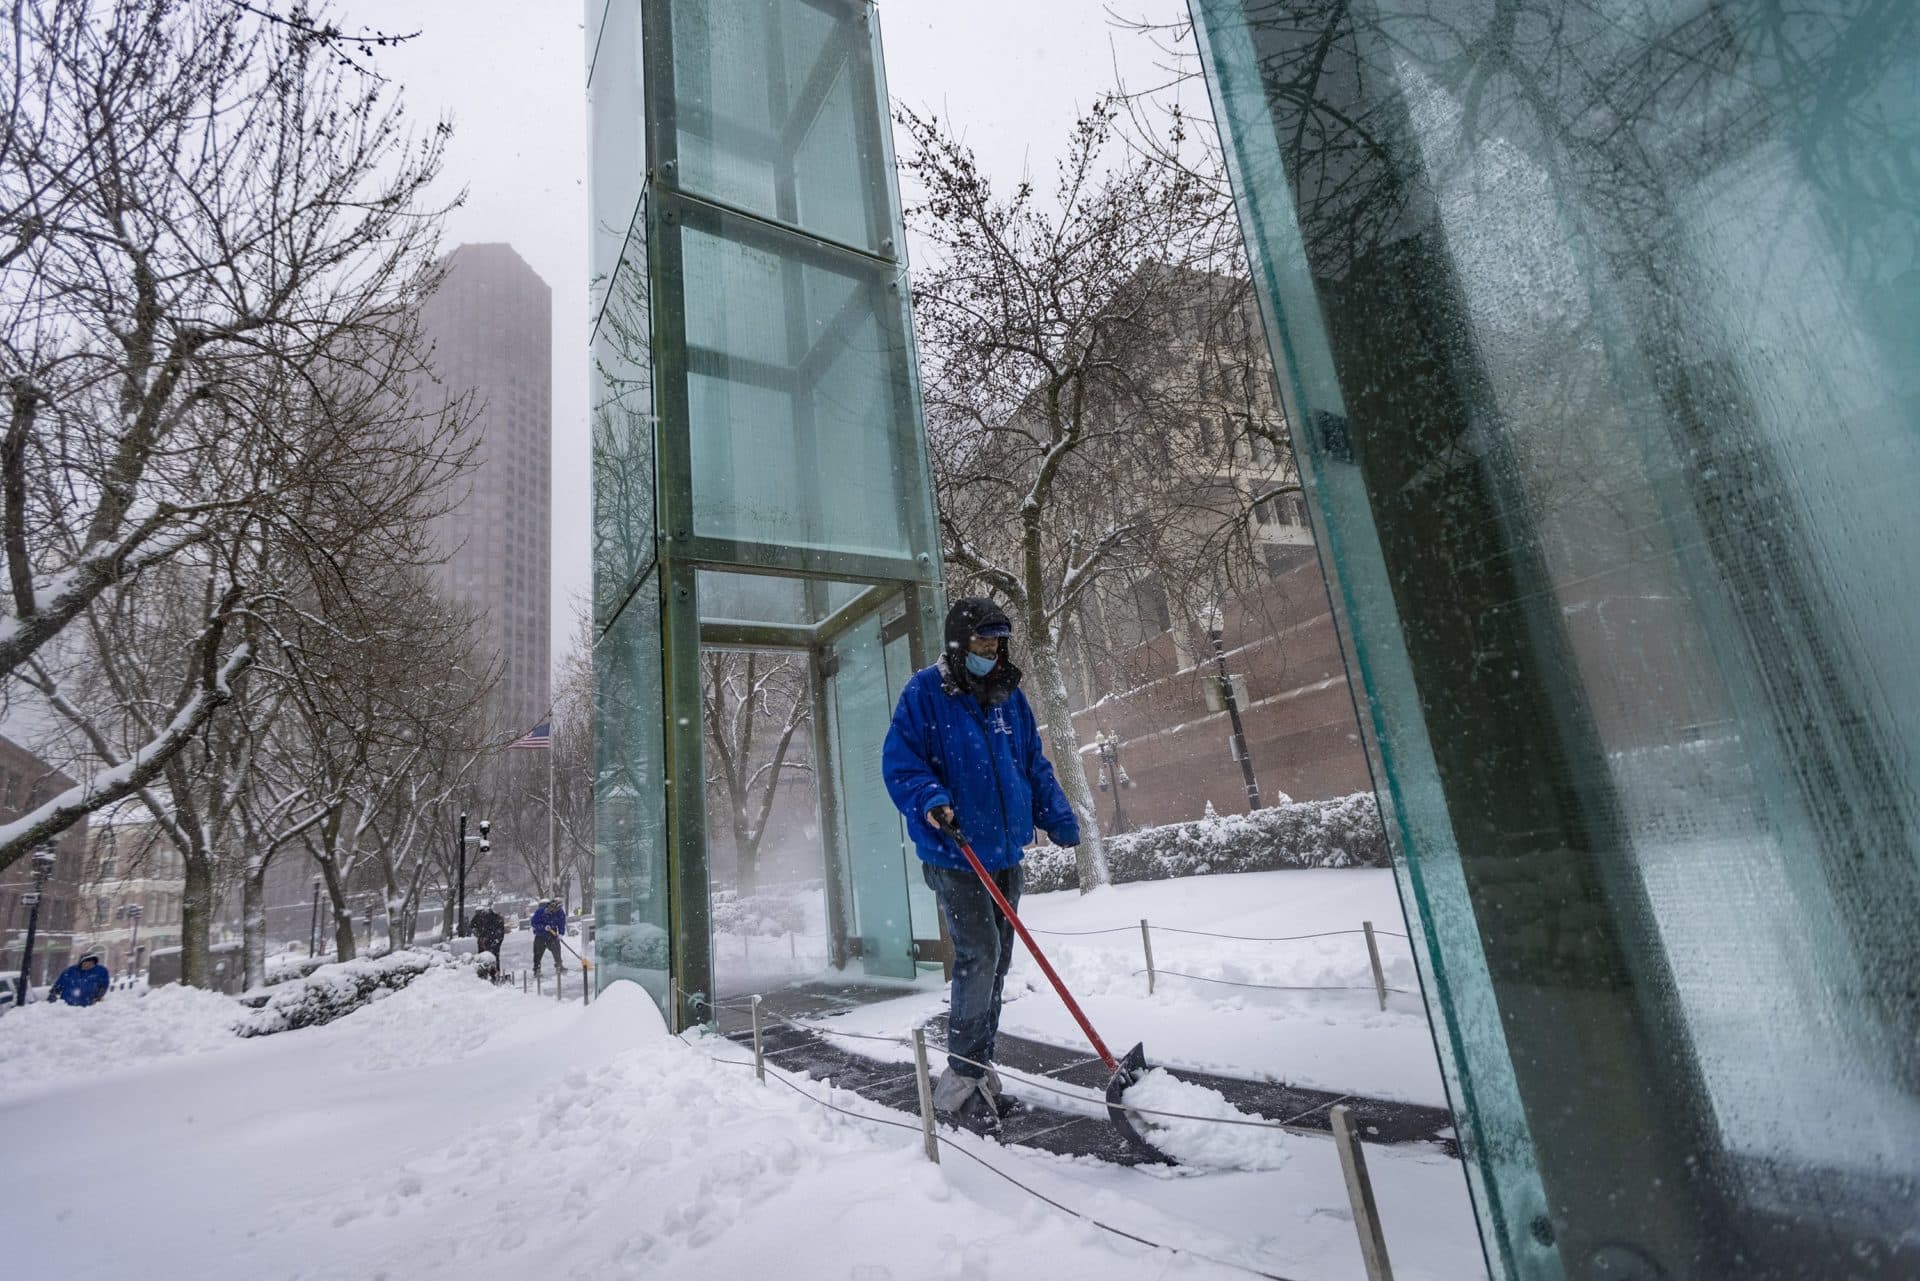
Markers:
point(982, 950)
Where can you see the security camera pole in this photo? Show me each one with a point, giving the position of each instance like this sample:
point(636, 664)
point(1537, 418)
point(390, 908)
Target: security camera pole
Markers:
point(460, 882)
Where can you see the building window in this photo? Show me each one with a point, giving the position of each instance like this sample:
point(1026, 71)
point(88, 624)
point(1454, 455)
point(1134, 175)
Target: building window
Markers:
point(101, 910)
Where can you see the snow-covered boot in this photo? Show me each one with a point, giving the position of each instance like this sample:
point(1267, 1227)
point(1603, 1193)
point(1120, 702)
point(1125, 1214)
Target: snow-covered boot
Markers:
point(965, 1100)
point(1004, 1104)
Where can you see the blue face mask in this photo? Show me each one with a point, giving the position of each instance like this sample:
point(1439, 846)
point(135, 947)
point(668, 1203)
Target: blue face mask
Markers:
point(981, 664)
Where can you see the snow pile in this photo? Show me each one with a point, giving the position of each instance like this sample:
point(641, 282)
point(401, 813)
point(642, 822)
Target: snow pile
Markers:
point(52, 1044)
point(1202, 1144)
point(1344, 832)
point(334, 990)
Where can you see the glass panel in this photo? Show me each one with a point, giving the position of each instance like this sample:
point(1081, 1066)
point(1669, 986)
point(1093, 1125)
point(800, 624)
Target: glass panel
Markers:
point(617, 139)
point(777, 114)
point(622, 446)
point(871, 832)
point(764, 598)
point(924, 909)
point(799, 400)
point(630, 827)
point(1598, 334)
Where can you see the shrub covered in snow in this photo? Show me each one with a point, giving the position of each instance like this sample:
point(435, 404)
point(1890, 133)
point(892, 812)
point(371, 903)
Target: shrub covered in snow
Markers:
point(773, 911)
point(334, 990)
point(283, 967)
point(641, 945)
point(1344, 832)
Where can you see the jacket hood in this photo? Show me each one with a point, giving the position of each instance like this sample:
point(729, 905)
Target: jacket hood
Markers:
point(965, 619)
point(969, 615)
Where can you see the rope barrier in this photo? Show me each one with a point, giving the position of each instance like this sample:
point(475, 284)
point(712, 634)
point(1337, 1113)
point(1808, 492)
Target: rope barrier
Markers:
point(1238, 938)
point(951, 1146)
point(1277, 987)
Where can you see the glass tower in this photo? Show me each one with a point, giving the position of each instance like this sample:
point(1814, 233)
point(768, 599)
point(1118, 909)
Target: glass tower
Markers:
point(1598, 324)
point(760, 475)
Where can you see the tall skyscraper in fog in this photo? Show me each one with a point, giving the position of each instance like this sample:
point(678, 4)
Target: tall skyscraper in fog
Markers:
point(492, 328)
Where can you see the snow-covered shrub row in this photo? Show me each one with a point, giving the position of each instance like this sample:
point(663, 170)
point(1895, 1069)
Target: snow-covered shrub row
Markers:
point(624, 949)
point(773, 911)
point(1343, 832)
point(335, 990)
point(283, 967)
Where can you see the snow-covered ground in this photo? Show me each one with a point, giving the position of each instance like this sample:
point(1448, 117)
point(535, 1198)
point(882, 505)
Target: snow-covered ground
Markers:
point(460, 1130)
point(1334, 1036)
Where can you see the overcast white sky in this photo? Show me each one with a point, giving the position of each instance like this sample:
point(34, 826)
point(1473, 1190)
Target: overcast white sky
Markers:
point(509, 73)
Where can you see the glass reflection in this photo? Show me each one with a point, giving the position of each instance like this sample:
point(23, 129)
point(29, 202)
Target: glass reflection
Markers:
point(1597, 320)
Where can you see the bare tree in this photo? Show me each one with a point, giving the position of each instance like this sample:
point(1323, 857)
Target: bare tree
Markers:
point(752, 705)
point(1071, 391)
point(204, 213)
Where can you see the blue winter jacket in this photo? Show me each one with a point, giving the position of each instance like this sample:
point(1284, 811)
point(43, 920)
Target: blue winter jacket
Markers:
point(549, 918)
point(76, 986)
point(945, 749)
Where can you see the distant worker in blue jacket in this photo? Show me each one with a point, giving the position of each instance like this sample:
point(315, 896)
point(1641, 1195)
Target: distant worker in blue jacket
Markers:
point(82, 983)
point(964, 746)
point(549, 923)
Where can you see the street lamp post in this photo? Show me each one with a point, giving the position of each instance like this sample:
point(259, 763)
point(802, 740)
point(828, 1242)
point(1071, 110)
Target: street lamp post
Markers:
point(42, 868)
point(133, 912)
point(313, 926)
point(460, 924)
point(1214, 628)
point(1108, 745)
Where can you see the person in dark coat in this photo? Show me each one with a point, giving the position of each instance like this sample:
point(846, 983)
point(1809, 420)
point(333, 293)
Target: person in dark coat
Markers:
point(489, 932)
point(964, 746)
point(82, 983)
point(549, 923)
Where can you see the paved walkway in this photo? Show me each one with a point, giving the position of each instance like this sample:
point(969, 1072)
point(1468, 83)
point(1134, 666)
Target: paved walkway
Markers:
point(1041, 1124)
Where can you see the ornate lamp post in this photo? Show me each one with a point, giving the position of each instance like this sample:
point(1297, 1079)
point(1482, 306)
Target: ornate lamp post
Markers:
point(1112, 774)
point(1215, 622)
point(42, 868)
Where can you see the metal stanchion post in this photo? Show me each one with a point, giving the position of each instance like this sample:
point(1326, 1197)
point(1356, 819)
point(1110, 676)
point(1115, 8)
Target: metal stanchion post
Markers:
point(1146, 941)
point(1366, 1215)
point(1373, 954)
point(926, 1095)
point(759, 1059)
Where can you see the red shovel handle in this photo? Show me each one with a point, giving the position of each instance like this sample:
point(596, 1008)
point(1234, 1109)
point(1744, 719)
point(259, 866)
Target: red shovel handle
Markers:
point(1073, 1006)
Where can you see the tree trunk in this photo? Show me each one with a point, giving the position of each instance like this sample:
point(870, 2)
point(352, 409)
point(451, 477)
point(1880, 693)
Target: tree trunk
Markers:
point(196, 921)
point(1048, 692)
point(253, 925)
point(345, 946)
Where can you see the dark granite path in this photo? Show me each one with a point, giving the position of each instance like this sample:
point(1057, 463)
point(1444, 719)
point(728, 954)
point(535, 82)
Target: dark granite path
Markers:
point(1041, 1124)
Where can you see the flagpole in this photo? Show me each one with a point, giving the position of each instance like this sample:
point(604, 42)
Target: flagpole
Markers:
point(553, 869)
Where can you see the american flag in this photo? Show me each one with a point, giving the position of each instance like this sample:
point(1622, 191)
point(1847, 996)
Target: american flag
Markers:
point(540, 735)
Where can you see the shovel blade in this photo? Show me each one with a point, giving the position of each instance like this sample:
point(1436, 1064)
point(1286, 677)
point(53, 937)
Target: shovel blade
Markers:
point(1133, 1065)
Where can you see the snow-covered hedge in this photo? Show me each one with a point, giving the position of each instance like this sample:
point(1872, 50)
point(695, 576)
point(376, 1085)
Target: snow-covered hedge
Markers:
point(773, 911)
point(335, 990)
point(283, 967)
point(641, 945)
point(1344, 832)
